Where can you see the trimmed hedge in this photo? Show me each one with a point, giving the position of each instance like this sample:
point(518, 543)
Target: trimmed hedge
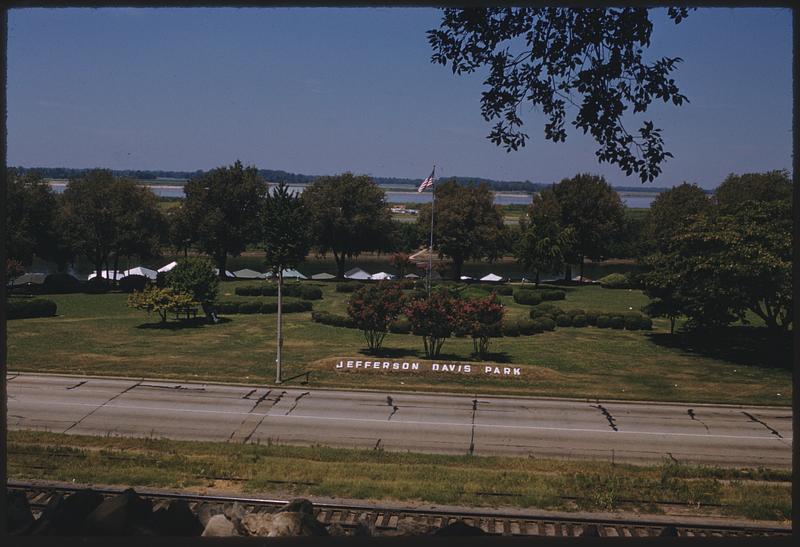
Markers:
point(401, 325)
point(306, 292)
point(553, 294)
point(603, 321)
point(510, 328)
point(527, 297)
point(504, 290)
point(591, 317)
point(131, 283)
point(615, 281)
point(258, 306)
point(327, 318)
point(546, 324)
point(348, 286)
point(545, 310)
point(97, 285)
point(563, 320)
point(24, 308)
point(616, 322)
point(528, 326)
point(579, 320)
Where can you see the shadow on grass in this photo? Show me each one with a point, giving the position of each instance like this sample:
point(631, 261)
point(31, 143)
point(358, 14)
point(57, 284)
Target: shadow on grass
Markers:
point(391, 352)
point(180, 324)
point(755, 346)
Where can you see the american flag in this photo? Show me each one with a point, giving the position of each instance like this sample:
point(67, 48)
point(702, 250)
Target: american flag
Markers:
point(427, 182)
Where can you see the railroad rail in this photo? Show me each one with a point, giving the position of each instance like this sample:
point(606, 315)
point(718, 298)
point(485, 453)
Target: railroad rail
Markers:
point(386, 519)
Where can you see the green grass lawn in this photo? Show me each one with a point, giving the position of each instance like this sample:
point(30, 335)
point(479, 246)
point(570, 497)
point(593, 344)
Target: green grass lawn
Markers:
point(98, 334)
point(377, 475)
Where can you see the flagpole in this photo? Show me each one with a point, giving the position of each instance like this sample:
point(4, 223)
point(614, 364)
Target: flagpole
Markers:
point(430, 249)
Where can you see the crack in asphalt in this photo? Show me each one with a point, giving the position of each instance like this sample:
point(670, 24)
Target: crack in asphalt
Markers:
point(79, 384)
point(673, 458)
point(395, 408)
point(691, 414)
point(275, 402)
point(377, 445)
point(261, 400)
point(121, 393)
point(296, 400)
point(174, 387)
point(472, 433)
point(611, 423)
point(9, 379)
point(249, 393)
point(754, 419)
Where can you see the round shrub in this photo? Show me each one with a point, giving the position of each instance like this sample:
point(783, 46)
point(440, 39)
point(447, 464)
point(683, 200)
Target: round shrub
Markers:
point(510, 328)
point(60, 283)
point(603, 321)
point(632, 321)
point(327, 318)
point(617, 322)
point(574, 312)
point(591, 317)
point(615, 281)
point(131, 283)
point(272, 307)
point(400, 325)
point(647, 323)
point(545, 310)
point(310, 292)
point(530, 298)
point(528, 327)
point(553, 294)
point(23, 308)
point(505, 290)
point(563, 320)
point(546, 324)
point(579, 320)
point(97, 285)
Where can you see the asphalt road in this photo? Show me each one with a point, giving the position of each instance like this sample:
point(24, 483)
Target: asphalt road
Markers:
point(449, 424)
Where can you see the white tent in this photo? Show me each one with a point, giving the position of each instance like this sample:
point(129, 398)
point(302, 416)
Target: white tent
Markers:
point(31, 277)
point(380, 276)
point(411, 276)
point(467, 278)
point(168, 267)
point(357, 273)
point(140, 270)
point(323, 276)
point(290, 273)
point(107, 274)
point(227, 273)
point(249, 274)
point(491, 277)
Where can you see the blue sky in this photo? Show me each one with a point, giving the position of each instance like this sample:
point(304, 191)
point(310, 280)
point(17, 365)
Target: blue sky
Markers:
point(321, 91)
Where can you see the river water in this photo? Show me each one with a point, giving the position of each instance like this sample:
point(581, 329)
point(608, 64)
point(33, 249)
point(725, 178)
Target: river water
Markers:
point(392, 196)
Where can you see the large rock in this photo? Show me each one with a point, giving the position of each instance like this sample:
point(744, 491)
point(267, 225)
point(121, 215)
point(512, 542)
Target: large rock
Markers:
point(207, 510)
point(298, 505)
point(19, 518)
point(219, 526)
point(176, 520)
point(69, 519)
point(124, 514)
point(283, 524)
point(459, 528)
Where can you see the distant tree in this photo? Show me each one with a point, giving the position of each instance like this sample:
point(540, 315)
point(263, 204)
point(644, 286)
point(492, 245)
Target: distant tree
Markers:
point(662, 284)
point(559, 58)
point(179, 231)
point(593, 209)
point(401, 262)
point(543, 241)
point(31, 216)
point(372, 308)
point(671, 210)
point(14, 269)
point(407, 236)
point(104, 216)
point(434, 318)
point(467, 224)
point(196, 277)
point(287, 239)
point(161, 300)
point(348, 215)
point(737, 190)
point(223, 206)
point(480, 318)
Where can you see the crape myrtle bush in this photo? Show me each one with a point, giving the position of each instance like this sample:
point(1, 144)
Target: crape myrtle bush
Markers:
point(306, 292)
point(373, 307)
point(22, 308)
point(332, 319)
point(401, 325)
point(258, 306)
point(60, 283)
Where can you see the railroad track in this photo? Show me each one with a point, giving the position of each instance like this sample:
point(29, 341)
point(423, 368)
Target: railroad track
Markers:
point(386, 519)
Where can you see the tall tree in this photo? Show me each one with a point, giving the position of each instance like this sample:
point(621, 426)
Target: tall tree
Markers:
point(737, 190)
point(103, 216)
point(287, 240)
point(223, 207)
point(466, 225)
point(671, 210)
point(543, 241)
point(593, 209)
point(31, 218)
point(591, 59)
point(348, 215)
